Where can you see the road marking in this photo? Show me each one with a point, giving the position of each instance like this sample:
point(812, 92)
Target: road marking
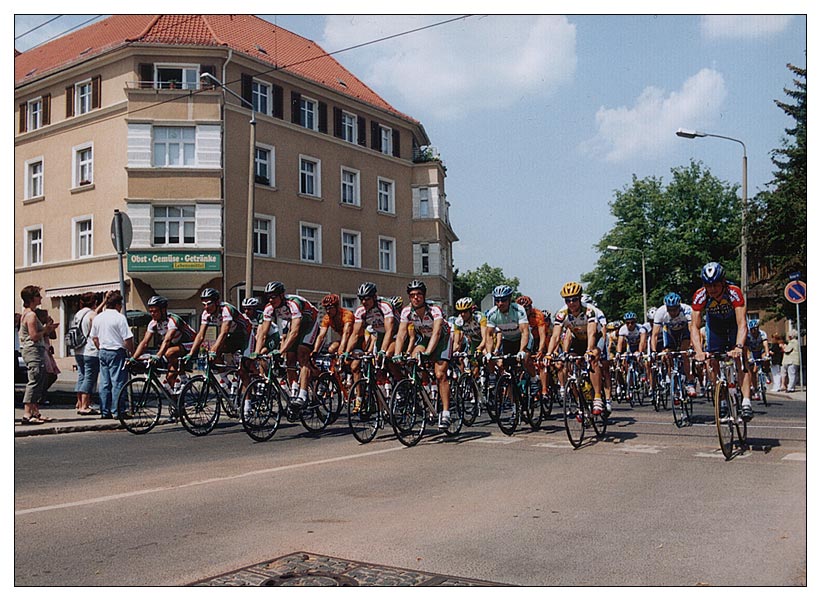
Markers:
point(498, 440)
point(717, 454)
point(553, 445)
point(640, 448)
point(795, 457)
point(148, 491)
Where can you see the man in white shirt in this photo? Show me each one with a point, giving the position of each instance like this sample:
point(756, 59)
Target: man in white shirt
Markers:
point(113, 338)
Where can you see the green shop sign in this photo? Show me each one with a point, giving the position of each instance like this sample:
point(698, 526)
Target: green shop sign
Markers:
point(174, 261)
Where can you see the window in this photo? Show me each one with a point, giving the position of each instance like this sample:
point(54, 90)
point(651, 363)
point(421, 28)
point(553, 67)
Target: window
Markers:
point(350, 187)
point(174, 225)
point(261, 97)
point(264, 165)
point(264, 236)
point(176, 77)
point(34, 245)
point(387, 254)
point(349, 133)
point(424, 203)
point(424, 251)
point(307, 113)
point(34, 179)
point(83, 237)
point(350, 302)
point(82, 98)
point(350, 249)
point(386, 140)
point(309, 176)
point(174, 146)
point(83, 159)
point(385, 202)
point(310, 242)
point(35, 113)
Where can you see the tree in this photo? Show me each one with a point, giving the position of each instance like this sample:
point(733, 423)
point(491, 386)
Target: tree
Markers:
point(680, 227)
point(778, 216)
point(479, 282)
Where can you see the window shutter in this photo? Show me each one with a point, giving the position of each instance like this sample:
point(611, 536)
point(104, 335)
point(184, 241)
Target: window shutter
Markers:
point(146, 75)
point(323, 117)
point(69, 101)
point(23, 117)
point(245, 87)
point(46, 109)
point(375, 141)
point(395, 142)
point(96, 92)
point(435, 260)
point(360, 131)
point(296, 97)
point(417, 259)
point(337, 122)
point(276, 92)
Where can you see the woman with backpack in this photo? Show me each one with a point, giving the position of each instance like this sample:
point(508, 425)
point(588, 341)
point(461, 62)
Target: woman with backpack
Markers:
point(85, 354)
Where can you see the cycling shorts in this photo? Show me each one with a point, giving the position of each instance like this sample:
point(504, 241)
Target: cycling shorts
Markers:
point(672, 340)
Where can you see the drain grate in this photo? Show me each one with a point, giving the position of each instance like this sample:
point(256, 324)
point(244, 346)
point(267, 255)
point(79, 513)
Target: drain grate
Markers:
point(309, 569)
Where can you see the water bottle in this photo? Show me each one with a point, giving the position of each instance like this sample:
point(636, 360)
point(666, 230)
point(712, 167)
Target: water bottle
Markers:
point(386, 387)
point(587, 390)
point(534, 387)
point(234, 387)
point(201, 360)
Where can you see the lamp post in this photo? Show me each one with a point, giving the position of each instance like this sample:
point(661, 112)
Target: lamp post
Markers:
point(643, 273)
point(249, 241)
point(692, 134)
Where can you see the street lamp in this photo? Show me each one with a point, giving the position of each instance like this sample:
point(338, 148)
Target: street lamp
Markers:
point(249, 241)
point(643, 273)
point(691, 134)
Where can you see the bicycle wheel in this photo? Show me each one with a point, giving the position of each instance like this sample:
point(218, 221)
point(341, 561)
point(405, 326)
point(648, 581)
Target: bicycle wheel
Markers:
point(533, 409)
point(740, 424)
point(762, 386)
point(490, 402)
point(599, 422)
point(638, 393)
point(574, 417)
point(548, 400)
point(457, 412)
point(233, 393)
point(139, 405)
point(318, 408)
point(261, 410)
point(629, 388)
point(339, 400)
point(680, 416)
point(199, 406)
point(724, 419)
point(468, 392)
point(363, 411)
point(408, 413)
point(507, 405)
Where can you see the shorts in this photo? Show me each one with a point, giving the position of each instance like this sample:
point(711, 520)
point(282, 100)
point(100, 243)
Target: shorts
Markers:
point(238, 341)
point(307, 334)
point(442, 351)
point(673, 340)
point(720, 341)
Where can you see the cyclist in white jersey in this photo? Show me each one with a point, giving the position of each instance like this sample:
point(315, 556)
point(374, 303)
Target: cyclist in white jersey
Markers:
point(671, 327)
point(604, 352)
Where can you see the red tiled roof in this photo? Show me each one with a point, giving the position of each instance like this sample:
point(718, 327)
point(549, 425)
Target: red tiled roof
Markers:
point(247, 34)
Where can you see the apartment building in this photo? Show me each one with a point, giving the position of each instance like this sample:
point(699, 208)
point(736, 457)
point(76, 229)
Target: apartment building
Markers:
point(159, 116)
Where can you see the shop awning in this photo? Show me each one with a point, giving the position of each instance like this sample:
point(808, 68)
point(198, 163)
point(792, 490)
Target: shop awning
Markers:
point(83, 288)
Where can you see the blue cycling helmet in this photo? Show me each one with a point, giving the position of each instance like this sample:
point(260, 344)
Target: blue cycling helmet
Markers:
point(503, 291)
point(672, 300)
point(712, 272)
point(752, 324)
point(629, 316)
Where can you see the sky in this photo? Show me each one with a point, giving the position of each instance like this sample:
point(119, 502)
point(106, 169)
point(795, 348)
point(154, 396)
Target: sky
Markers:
point(539, 119)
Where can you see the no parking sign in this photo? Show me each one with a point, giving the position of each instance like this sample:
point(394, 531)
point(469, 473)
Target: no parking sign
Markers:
point(796, 292)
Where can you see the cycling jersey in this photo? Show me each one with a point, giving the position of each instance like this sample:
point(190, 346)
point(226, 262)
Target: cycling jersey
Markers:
point(633, 337)
point(472, 330)
point(337, 324)
point(423, 327)
point(600, 318)
point(756, 345)
point(680, 322)
point(508, 323)
point(719, 316)
point(375, 316)
point(182, 332)
point(577, 324)
point(293, 307)
point(239, 327)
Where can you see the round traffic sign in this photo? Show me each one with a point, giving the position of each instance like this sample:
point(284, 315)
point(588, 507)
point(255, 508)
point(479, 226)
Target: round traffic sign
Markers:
point(796, 292)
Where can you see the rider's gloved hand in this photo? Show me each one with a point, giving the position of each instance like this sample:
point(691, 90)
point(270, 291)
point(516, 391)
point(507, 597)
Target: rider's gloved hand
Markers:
point(253, 356)
point(397, 358)
point(521, 355)
point(212, 356)
point(276, 352)
point(186, 359)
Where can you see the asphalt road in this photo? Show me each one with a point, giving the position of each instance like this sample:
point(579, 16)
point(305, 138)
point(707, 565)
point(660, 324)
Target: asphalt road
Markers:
point(648, 505)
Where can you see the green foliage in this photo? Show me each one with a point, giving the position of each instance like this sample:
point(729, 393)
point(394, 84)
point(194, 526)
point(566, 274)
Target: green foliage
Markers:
point(778, 216)
point(478, 283)
point(679, 227)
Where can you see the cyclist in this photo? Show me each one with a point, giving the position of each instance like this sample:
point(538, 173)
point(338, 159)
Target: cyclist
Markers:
point(375, 316)
point(581, 330)
point(233, 330)
point(432, 340)
point(176, 335)
point(469, 327)
point(759, 347)
point(299, 316)
point(604, 354)
point(538, 344)
point(672, 321)
point(252, 309)
point(721, 305)
point(508, 331)
point(338, 319)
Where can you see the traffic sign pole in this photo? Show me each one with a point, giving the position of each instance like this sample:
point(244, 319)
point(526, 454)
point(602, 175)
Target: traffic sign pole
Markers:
point(796, 293)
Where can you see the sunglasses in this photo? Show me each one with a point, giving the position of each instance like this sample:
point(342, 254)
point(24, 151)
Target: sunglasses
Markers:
point(415, 294)
point(501, 300)
point(573, 299)
point(208, 302)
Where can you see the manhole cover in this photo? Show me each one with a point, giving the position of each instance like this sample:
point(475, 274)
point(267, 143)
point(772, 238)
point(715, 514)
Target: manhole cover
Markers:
point(311, 579)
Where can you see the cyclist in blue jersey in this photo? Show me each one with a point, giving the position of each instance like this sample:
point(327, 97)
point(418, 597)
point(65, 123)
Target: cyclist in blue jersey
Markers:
point(759, 348)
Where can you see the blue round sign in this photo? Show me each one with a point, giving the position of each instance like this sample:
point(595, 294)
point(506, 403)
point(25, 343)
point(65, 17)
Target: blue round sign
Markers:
point(796, 292)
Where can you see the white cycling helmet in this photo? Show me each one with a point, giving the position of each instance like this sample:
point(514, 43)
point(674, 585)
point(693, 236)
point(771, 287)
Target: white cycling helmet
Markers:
point(651, 312)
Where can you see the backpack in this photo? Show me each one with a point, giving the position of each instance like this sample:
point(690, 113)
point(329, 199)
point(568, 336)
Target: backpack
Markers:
point(75, 337)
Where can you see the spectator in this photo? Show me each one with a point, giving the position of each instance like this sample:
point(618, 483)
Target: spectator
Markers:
point(52, 370)
point(776, 355)
point(791, 361)
point(33, 336)
point(113, 338)
point(86, 356)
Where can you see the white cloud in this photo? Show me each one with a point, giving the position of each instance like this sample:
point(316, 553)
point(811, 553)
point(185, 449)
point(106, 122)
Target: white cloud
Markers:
point(454, 69)
point(648, 126)
point(735, 27)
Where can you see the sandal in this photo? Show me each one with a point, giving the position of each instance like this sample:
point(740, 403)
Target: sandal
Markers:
point(43, 419)
point(31, 421)
point(88, 412)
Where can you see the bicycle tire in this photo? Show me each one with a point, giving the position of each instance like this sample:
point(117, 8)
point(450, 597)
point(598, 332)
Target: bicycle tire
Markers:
point(457, 412)
point(548, 400)
point(680, 417)
point(533, 412)
point(468, 392)
point(230, 402)
point(762, 387)
point(318, 407)
point(490, 402)
point(408, 412)
point(740, 424)
point(139, 405)
point(574, 417)
point(507, 405)
point(199, 406)
point(261, 410)
point(629, 389)
point(364, 418)
point(724, 419)
point(638, 393)
point(599, 422)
